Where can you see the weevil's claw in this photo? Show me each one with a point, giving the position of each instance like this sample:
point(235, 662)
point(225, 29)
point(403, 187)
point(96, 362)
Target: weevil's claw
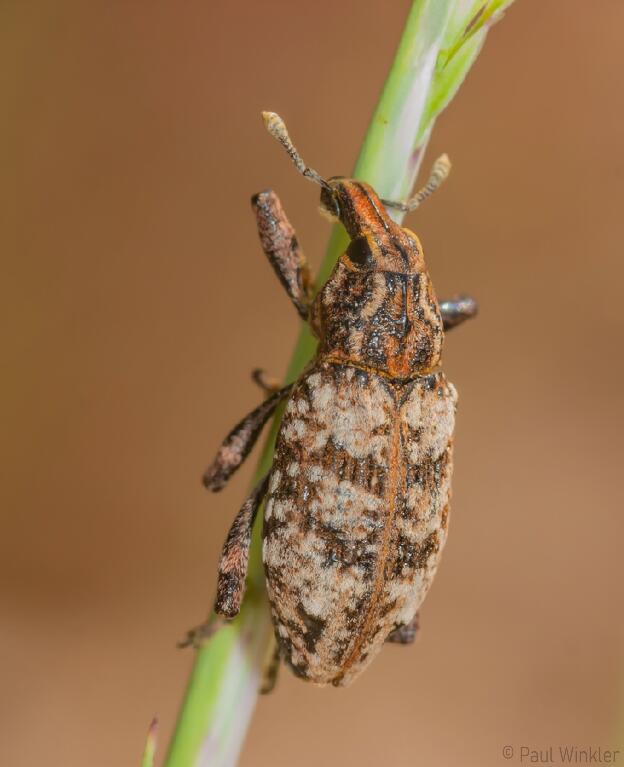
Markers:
point(199, 635)
point(268, 384)
point(270, 671)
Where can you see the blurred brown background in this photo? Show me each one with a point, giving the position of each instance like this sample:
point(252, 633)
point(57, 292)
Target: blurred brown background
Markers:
point(137, 301)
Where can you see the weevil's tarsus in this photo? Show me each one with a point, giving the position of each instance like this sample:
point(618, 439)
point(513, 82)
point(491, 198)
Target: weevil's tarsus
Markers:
point(197, 636)
point(281, 247)
point(267, 383)
point(239, 442)
point(457, 310)
point(235, 554)
point(271, 671)
point(405, 634)
point(439, 173)
point(277, 128)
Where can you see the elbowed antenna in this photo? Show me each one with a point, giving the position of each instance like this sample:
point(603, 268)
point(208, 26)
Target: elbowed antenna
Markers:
point(439, 173)
point(277, 128)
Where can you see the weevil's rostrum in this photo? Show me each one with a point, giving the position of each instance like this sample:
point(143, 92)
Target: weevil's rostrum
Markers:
point(357, 499)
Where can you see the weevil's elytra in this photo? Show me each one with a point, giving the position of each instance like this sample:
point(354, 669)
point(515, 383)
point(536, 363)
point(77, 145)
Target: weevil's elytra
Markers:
point(357, 499)
point(354, 516)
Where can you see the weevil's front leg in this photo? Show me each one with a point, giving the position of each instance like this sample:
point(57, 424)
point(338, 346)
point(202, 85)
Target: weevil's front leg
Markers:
point(281, 247)
point(239, 442)
point(235, 554)
point(232, 569)
point(457, 310)
point(405, 634)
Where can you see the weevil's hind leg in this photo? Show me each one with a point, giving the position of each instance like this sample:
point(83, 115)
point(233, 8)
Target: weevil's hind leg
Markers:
point(405, 634)
point(235, 554)
point(282, 248)
point(269, 676)
point(232, 570)
point(239, 442)
point(196, 637)
point(457, 310)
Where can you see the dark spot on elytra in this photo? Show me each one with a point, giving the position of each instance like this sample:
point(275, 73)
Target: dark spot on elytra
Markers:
point(330, 559)
point(354, 615)
point(386, 608)
point(429, 546)
point(340, 648)
point(411, 556)
point(343, 552)
point(275, 576)
point(417, 473)
point(271, 525)
point(314, 627)
point(403, 508)
point(383, 430)
point(299, 669)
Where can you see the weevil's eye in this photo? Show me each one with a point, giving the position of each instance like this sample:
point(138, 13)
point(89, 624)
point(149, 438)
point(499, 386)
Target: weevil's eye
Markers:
point(360, 253)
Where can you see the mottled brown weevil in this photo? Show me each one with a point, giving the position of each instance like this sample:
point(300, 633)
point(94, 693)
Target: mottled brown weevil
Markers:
point(357, 499)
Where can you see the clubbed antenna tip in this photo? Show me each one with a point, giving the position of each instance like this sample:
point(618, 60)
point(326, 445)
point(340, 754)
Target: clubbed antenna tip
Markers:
point(439, 173)
point(277, 128)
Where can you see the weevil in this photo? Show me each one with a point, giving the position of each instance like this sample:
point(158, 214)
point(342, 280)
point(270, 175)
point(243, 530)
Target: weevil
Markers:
point(357, 498)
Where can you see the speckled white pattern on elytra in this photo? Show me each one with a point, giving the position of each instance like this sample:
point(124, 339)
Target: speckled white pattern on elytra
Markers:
point(358, 509)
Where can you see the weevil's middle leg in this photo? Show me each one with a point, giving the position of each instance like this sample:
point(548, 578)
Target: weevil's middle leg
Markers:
point(239, 442)
point(457, 310)
point(405, 634)
point(281, 247)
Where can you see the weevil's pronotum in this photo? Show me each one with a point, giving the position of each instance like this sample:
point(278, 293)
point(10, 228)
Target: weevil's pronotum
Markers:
point(357, 499)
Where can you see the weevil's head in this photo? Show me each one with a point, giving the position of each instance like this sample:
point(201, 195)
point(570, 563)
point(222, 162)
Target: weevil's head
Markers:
point(378, 309)
point(377, 243)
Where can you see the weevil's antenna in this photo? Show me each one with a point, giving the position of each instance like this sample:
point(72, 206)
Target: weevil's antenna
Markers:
point(439, 173)
point(277, 128)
